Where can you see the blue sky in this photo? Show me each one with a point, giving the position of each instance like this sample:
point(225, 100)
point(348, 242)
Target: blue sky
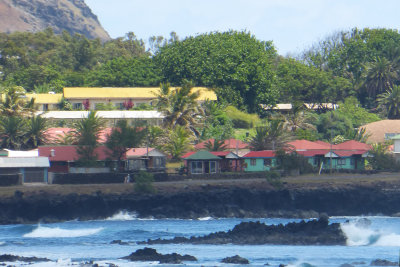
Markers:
point(293, 25)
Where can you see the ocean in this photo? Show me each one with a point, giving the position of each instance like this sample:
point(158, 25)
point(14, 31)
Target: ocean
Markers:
point(74, 243)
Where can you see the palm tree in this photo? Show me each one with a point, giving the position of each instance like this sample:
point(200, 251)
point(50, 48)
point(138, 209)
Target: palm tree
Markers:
point(272, 136)
point(87, 132)
point(215, 145)
point(389, 102)
point(36, 132)
point(180, 107)
point(380, 76)
point(297, 118)
point(12, 132)
point(14, 103)
point(176, 142)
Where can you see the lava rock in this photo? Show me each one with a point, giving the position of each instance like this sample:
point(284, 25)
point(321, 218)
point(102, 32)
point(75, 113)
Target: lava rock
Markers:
point(13, 258)
point(380, 262)
point(119, 242)
point(150, 254)
point(235, 260)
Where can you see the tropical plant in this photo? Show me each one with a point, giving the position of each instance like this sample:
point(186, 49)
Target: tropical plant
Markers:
point(271, 136)
point(35, 132)
point(87, 131)
point(297, 118)
point(176, 142)
point(381, 159)
point(389, 102)
point(123, 137)
point(215, 145)
point(380, 76)
point(14, 103)
point(12, 132)
point(144, 183)
point(180, 107)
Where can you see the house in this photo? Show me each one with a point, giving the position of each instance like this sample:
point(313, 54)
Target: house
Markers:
point(63, 159)
point(122, 98)
point(235, 145)
point(45, 102)
point(381, 131)
point(148, 117)
point(146, 159)
point(202, 162)
point(229, 161)
point(258, 161)
point(32, 169)
point(286, 108)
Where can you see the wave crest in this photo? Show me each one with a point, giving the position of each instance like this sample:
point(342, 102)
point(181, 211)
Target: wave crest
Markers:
point(47, 232)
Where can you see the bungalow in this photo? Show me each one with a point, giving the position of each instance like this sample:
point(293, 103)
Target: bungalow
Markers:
point(32, 169)
point(45, 102)
point(258, 161)
point(202, 162)
point(229, 161)
point(147, 159)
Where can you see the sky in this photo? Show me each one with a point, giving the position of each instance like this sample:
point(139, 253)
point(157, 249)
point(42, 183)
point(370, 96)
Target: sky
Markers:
point(292, 25)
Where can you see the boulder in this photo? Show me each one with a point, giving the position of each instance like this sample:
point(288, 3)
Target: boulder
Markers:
point(150, 254)
point(12, 258)
point(235, 260)
point(380, 262)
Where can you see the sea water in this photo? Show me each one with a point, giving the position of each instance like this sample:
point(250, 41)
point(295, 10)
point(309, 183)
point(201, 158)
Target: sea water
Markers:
point(73, 243)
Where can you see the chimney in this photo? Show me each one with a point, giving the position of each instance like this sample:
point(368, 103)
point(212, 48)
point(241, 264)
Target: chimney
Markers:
point(52, 152)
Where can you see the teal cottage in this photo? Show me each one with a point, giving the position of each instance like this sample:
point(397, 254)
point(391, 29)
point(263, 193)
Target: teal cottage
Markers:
point(258, 161)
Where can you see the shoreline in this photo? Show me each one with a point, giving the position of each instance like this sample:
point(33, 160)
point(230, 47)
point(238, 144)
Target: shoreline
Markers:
point(301, 197)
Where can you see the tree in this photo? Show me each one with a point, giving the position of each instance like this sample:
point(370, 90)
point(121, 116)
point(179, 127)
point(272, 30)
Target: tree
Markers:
point(14, 103)
point(12, 132)
point(217, 124)
point(380, 77)
point(215, 145)
point(389, 102)
point(123, 137)
point(271, 136)
point(176, 142)
point(36, 132)
point(236, 63)
point(180, 107)
point(87, 131)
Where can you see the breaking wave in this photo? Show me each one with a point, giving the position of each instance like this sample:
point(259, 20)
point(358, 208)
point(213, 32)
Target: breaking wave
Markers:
point(123, 216)
point(47, 232)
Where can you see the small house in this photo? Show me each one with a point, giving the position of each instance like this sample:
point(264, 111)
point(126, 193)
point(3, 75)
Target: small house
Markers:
point(258, 161)
point(146, 159)
point(202, 162)
point(32, 169)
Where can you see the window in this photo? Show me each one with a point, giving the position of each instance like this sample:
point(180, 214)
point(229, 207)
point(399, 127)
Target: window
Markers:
point(45, 107)
point(197, 167)
point(388, 136)
point(316, 161)
point(253, 162)
point(341, 161)
point(77, 106)
point(213, 167)
point(267, 162)
point(352, 161)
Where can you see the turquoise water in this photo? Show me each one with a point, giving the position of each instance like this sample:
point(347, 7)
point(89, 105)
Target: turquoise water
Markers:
point(71, 243)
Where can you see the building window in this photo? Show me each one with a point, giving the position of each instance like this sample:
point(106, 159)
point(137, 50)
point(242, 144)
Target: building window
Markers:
point(316, 161)
point(197, 167)
point(213, 168)
point(267, 162)
point(353, 161)
point(341, 161)
point(389, 136)
point(253, 162)
point(45, 107)
point(77, 106)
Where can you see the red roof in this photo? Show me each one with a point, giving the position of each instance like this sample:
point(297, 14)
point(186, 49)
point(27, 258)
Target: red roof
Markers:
point(322, 143)
point(349, 153)
point(352, 145)
point(312, 153)
point(308, 145)
point(138, 151)
point(188, 154)
point(229, 144)
point(260, 154)
point(68, 153)
point(54, 134)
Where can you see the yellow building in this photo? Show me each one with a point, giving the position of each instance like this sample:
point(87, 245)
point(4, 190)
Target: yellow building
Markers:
point(80, 97)
point(45, 102)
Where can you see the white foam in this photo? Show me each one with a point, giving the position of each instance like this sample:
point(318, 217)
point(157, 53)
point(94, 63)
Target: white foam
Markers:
point(123, 216)
point(47, 232)
point(205, 218)
point(359, 236)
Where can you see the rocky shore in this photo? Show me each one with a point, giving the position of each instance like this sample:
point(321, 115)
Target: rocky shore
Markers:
point(208, 201)
point(314, 232)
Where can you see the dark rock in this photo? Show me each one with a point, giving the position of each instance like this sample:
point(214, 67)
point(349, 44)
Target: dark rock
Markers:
point(315, 232)
point(380, 262)
point(12, 258)
point(119, 242)
point(150, 254)
point(346, 265)
point(235, 260)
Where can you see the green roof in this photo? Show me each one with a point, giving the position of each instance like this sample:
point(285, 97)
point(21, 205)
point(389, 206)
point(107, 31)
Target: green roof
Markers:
point(202, 155)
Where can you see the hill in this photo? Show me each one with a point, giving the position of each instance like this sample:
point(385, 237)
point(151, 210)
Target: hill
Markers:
point(73, 16)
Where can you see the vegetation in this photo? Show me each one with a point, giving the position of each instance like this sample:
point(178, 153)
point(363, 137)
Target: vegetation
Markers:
point(144, 183)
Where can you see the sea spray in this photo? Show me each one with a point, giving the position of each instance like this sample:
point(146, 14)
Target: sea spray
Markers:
point(47, 232)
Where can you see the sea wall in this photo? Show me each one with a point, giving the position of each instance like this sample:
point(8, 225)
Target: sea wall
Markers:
point(235, 202)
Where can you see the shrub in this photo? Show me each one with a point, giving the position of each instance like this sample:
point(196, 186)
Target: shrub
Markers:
point(274, 179)
point(144, 183)
point(289, 162)
point(241, 119)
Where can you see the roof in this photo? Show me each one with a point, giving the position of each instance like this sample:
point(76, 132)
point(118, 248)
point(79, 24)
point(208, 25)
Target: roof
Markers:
point(127, 92)
point(312, 153)
point(378, 129)
point(69, 153)
point(260, 154)
point(231, 144)
point(138, 152)
point(352, 145)
point(348, 153)
point(277, 107)
point(112, 114)
point(307, 145)
point(202, 155)
point(22, 154)
point(24, 162)
point(45, 98)
point(55, 134)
